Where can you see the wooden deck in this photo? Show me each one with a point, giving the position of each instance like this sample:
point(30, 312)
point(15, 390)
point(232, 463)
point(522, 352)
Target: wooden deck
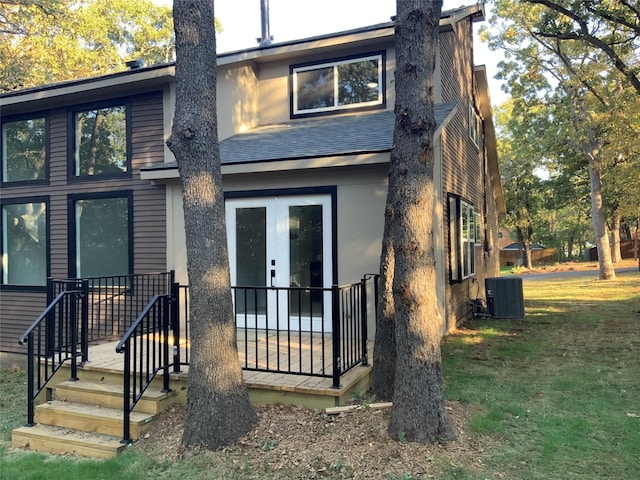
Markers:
point(266, 388)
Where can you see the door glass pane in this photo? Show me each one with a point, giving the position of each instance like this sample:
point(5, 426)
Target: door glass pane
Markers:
point(251, 259)
point(305, 258)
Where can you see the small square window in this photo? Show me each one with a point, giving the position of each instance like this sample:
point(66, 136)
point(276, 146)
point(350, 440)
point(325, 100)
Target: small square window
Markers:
point(338, 85)
point(101, 142)
point(24, 150)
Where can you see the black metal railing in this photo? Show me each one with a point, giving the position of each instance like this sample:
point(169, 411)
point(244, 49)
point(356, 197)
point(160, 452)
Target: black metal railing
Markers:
point(53, 339)
point(180, 326)
point(295, 330)
point(145, 347)
point(311, 331)
point(114, 302)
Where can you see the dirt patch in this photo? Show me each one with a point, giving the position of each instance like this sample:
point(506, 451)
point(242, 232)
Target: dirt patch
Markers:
point(294, 442)
point(574, 266)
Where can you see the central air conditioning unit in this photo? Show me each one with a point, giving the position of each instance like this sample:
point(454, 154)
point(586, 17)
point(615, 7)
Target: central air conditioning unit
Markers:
point(504, 297)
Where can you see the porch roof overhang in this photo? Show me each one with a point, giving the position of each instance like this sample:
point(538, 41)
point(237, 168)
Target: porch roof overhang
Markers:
point(333, 141)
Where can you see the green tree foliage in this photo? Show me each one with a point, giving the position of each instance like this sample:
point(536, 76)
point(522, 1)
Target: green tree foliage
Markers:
point(573, 105)
point(519, 159)
point(53, 40)
point(610, 26)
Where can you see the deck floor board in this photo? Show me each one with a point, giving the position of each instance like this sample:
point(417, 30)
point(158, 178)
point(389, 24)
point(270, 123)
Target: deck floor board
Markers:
point(104, 357)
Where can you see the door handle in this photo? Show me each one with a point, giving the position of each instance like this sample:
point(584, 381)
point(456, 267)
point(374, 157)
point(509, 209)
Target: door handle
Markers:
point(273, 271)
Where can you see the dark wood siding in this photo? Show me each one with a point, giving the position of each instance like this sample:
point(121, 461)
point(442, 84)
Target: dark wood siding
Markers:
point(19, 308)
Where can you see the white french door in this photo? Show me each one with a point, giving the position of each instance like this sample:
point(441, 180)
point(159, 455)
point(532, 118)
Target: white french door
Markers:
point(281, 242)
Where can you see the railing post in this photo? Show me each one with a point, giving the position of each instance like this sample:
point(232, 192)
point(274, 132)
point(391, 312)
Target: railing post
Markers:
point(166, 306)
point(50, 325)
point(364, 318)
point(175, 324)
point(30, 381)
point(84, 327)
point(73, 326)
point(126, 436)
point(335, 334)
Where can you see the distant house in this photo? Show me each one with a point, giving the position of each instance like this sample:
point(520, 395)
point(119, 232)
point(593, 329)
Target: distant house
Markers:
point(511, 255)
point(89, 187)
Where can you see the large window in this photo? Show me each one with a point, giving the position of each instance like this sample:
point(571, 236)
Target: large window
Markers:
point(463, 236)
point(24, 150)
point(343, 84)
point(101, 141)
point(101, 232)
point(24, 243)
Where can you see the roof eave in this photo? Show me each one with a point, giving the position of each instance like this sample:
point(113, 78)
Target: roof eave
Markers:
point(484, 104)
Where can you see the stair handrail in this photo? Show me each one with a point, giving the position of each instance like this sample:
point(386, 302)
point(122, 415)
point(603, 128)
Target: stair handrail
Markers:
point(67, 332)
point(152, 321)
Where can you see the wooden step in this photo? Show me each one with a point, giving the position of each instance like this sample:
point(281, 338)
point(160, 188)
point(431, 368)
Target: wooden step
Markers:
point(105, 394)
point(90, 418)
point(46, 438)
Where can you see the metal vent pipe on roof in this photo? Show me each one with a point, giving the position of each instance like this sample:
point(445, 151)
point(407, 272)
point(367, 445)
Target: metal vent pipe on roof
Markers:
point(135, 64)
point(266, 38)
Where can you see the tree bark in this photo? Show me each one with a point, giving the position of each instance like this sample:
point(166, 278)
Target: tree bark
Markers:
point(605, 262)
point(384, 349)
point(218, 406)
point(418, 412)
point(616, 254)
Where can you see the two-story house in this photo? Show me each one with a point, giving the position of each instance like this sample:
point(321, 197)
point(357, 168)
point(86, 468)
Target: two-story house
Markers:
point(89, 187)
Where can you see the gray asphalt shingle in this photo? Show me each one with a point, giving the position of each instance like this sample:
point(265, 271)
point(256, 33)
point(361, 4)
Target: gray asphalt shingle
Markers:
point(317, 137)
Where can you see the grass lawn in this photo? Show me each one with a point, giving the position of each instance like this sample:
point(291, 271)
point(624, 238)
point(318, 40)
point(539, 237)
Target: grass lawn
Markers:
point(554, 396)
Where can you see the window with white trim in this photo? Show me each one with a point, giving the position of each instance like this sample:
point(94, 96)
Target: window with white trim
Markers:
point(338, 85)
point(463, 236)
point(475, 126)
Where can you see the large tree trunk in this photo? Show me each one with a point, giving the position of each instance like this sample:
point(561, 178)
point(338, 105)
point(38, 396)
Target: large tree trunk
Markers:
point(218, 407)
point(418, 412)
point(616, 254)
point(599, 226)
point(384, 349)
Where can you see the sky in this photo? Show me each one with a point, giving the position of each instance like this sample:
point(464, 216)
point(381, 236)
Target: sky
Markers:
point(296, 19)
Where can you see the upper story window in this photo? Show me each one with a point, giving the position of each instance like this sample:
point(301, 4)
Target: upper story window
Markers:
point(346, 83)
point(101, 141)
point(24, 242)
point(24, 150)
point(475, 126)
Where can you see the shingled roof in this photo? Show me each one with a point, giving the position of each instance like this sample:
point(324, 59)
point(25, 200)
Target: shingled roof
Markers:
point(368, 132)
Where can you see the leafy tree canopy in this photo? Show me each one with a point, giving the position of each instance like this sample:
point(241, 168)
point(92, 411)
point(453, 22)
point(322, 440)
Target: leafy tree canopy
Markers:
point(47, 41)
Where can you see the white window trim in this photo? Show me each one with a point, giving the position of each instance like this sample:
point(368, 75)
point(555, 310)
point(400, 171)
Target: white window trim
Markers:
point(475, 124)
point(461, 266)
point(296, 70)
